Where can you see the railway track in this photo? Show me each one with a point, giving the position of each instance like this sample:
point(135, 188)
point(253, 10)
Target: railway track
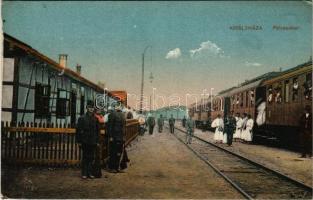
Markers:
point(251, 179)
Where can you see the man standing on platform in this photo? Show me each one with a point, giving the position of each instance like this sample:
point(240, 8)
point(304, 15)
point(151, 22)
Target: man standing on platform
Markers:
point(171, 122)
point(87, 136)
point(184, 121)
point(150, 123)
point(305, 124)
point(230, 127)
point(160, 123)
point(116, 128)
point(190, 126)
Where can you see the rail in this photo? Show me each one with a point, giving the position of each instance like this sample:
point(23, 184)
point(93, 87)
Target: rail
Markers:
point(228, 166)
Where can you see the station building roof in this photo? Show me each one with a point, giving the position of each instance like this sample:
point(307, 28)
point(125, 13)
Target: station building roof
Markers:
point(21, 46)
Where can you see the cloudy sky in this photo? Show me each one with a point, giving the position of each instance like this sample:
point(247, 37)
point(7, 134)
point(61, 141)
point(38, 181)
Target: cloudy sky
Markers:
point(194, 45)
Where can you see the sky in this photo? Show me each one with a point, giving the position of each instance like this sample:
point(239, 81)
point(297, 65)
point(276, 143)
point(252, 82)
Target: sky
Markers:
point(195, 46)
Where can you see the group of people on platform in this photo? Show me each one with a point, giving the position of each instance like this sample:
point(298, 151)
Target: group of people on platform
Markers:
point(88, 134)
point(150, 122)
point(233, 127)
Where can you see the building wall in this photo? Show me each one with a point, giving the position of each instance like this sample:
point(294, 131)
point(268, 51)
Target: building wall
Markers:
point(30, 71)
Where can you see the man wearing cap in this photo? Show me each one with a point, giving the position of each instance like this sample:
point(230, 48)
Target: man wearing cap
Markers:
point(171, 122)
point(160, 123)
point(230, 127)
point(305, 125)
point(87, 136)
point(116, 128)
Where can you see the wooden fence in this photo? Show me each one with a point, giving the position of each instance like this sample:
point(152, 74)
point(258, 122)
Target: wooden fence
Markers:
point(50, 144)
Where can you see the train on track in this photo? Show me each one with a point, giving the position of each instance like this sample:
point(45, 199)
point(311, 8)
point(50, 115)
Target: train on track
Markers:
point(275, 100)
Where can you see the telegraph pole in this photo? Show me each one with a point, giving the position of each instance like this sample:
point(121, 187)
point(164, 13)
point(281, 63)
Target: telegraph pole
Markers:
point(142, 77)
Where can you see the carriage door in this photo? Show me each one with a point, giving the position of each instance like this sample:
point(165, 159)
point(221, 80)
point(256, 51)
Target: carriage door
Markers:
point(260, 97)
point(73, 108)
point(226, 106)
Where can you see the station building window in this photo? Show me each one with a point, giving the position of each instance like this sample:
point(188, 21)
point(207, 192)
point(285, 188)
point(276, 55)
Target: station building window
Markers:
point(82, 101)
point(42, 99)
point(63, 103)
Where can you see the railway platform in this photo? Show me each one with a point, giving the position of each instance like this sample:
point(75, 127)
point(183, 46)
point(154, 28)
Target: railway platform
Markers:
point(161, 167)
point(284, 161)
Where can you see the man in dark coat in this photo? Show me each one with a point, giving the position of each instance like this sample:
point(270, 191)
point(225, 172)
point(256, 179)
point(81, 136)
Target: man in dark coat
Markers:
point(184, 121)
point(87, 136)
point(116, 128)
point(305, 125)
point(230, 127)
point(151, 123)
point(171, 122)
point(160, 123)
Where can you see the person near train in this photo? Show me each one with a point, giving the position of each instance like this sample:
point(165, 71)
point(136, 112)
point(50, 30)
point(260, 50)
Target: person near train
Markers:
point(237, 134)
point(116, 128)
point(87, 137)
point(248, 131)
point(218, 124)
point(160, 123)
point(184, 121)
point(229, 127)
point(305, 128)
point(151, 123)
point(99, 151)
point(171, 122)
point(190, 127)
point(243, 127)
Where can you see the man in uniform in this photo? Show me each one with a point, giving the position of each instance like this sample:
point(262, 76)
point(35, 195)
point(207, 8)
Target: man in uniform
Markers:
point(150, 123)
point(190, 126)
point(230, 127)
point(116, 128)
point(306, 132)
point(160, 123)
point(87, 136)
point(171, 122)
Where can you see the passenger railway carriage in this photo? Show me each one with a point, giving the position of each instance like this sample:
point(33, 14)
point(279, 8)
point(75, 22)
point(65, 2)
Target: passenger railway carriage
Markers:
point(201, 113)
point(38, 89)
point(286, 97)
point(275, 100)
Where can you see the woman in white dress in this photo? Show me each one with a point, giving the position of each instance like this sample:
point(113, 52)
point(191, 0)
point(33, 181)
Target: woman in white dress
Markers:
point(249, 127)
point(243, 127)
point(237, 134)
point(218, 124)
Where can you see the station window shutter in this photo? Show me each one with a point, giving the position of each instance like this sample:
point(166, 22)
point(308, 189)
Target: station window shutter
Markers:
point(42, 100)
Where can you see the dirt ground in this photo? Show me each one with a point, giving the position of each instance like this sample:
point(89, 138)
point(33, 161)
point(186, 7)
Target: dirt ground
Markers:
point(282, 160)
point(161, 167)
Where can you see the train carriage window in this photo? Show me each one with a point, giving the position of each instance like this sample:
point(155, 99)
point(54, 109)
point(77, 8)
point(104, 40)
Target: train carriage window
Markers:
point(241, 100)
point(251, 98)
point(63, 104)
point(295, 89)
point(42, 100)
point(286, 91)
point(237, 101)
point(247, 99)
point(270, 94)
point(278, 93)
point(308, 86)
